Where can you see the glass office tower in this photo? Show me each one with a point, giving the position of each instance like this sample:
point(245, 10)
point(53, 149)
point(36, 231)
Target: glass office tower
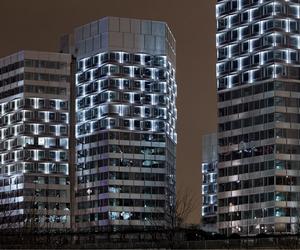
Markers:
point(126, 124)
point(34, 147)
point(258, 80)
point(209, 183)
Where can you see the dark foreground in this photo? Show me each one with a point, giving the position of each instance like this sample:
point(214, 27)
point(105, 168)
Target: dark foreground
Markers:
point(144, 240)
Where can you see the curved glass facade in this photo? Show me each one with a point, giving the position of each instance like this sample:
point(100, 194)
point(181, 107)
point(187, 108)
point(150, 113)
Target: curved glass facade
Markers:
point(258, 101)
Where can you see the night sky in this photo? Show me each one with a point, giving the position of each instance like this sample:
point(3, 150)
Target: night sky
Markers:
point(37, 25)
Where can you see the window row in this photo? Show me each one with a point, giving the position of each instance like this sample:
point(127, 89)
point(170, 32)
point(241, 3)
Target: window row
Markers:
point(252, 14)
point(259, 28)
point(209, 189)
point(122, 203)
point(209, 167)
point(266, 73)
point(33, 219)
point(249, 106)
point(119, 216)
point(136, 203)
point(287, 149)
point(231, 6)
point(46, 116)
point(287, 165)
point(209, 178)
point(251, 214)
point(46, 205)
point(45, 90)
point(278, 101)
point(33, 179)
point(11, 105)
point(47, 168)
point(256, 120)
point(121, 189)
point(209, 214)
point(244, 138)
point(11, 181)
point(121, 149)
point(46, 77)
point(31, 116)
point(246, 153)
point(122, 57)
point(12, 169)
point(258, 59)
point(128, 162)
point(45, 64)
point(146, 217)
point(34, 205)
point(11, 79)
point(11, 194)
point(39, 103)
point(287, 117)
point(246, 168)
point(260, 182)
point(126, 71)
point(34, 129)
point(209, 199)
point(47, 180)
point(38, 142)
point(124, 97)
point(130, 124)
point(91, 217)
point(36, 103)
point(122, 110)
point(121, 176)
point(123, 136)
point(250, 183)
point(287, 133)
point(11, 92)
point(123, 84)
point(246, 199)
point(255, 89)
point(11, 67)
point(40, 192)
point(34, 155)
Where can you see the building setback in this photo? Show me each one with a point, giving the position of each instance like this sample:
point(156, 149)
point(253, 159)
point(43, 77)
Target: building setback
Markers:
point(34, 143)
point(209, 183)
point(126, 124)
point(258, 99)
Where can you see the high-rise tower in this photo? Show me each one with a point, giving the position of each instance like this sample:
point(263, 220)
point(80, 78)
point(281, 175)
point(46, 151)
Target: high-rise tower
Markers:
point(34, 141)
point(126, 117)
point(209, 182)
point(258, 99)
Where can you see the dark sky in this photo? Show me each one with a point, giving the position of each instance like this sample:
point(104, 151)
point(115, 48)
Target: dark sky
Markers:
point(37, 25)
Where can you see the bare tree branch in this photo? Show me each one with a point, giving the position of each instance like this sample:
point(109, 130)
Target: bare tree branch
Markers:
point(186, 202)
